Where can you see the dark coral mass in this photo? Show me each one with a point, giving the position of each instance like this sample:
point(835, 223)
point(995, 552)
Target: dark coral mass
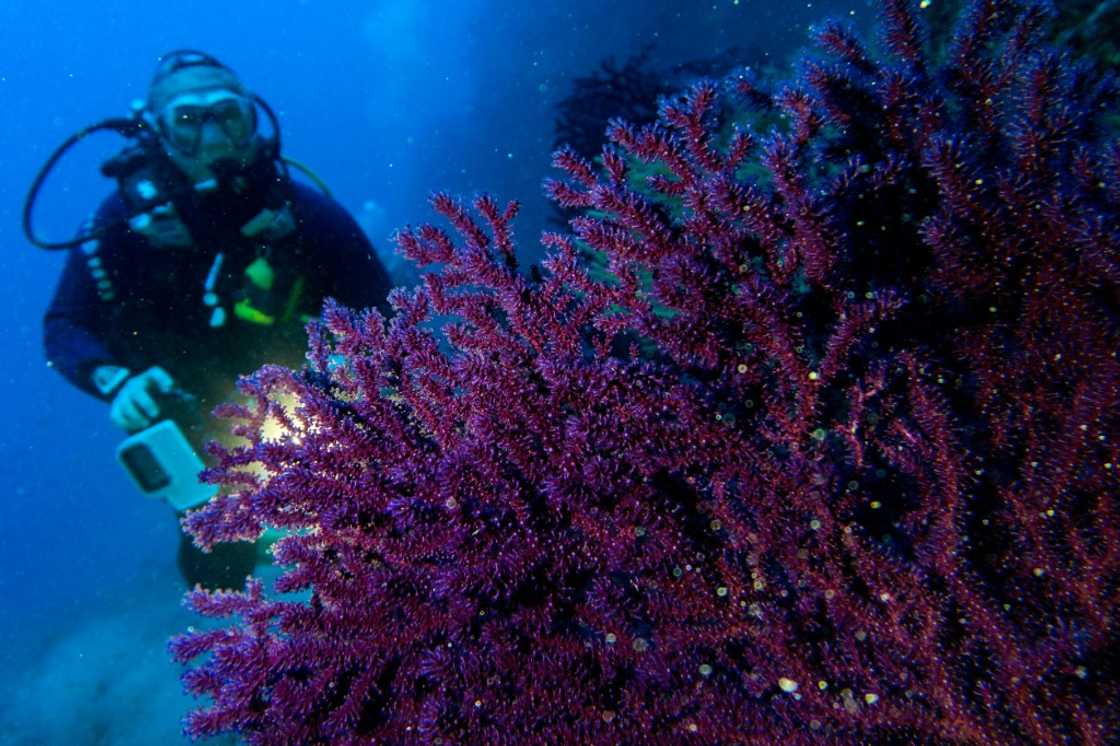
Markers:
point(825, 451)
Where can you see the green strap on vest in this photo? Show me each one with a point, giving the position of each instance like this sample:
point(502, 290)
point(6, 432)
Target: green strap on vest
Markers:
point(261, 278)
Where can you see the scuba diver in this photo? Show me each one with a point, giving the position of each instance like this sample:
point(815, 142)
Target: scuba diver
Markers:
point(205, 263)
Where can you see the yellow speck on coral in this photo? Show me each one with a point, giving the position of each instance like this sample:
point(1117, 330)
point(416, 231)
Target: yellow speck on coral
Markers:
point(870, 698)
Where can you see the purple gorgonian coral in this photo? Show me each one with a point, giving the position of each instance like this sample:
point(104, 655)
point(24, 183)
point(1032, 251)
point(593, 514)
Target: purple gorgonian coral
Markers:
point(824, 451)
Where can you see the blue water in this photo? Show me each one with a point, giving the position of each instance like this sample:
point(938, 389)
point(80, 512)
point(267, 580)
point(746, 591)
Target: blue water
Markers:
point(388, 100)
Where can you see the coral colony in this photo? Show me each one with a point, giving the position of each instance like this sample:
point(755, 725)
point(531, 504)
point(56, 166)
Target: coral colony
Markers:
point(829, 455)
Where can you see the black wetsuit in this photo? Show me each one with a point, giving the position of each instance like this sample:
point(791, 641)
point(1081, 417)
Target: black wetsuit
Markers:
point(123, 301)
point(126, 302)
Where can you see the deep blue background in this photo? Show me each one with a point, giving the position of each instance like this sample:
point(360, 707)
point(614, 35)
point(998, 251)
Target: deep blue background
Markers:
point(387, 99)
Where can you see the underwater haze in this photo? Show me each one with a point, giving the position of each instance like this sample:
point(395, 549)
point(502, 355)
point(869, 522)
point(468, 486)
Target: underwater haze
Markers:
point(388, 101)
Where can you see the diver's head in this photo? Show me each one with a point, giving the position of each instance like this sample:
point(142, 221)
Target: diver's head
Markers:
point(204, 115)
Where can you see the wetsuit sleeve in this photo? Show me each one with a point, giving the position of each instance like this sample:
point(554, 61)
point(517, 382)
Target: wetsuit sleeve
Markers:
point(74, 333)
point(351, 271)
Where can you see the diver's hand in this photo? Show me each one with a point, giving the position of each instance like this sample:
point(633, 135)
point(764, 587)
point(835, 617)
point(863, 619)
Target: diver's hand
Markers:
point(134, 407)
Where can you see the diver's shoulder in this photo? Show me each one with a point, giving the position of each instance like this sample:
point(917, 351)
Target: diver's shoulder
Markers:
point(112, 209)
point(110, 223)
point(312, 200)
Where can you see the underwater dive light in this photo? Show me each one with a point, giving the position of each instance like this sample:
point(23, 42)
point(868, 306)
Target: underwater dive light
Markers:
point(163, 465)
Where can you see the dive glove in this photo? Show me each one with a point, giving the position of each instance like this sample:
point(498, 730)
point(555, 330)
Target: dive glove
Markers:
point(134, 408)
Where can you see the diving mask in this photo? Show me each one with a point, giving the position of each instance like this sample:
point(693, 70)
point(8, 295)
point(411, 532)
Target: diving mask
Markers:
point(183, 121)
